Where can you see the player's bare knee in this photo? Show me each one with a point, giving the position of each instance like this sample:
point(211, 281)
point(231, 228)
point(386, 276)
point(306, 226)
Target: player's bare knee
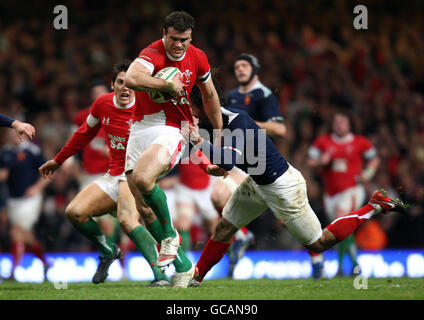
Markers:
point(325, 242)
point(75, 214)
point(315, 247)
point(142, 181)
point(219, 197)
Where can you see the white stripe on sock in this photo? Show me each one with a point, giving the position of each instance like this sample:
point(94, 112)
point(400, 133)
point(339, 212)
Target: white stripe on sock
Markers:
point(367, 216)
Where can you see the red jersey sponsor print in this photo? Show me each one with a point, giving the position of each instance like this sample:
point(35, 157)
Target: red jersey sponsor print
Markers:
point(94, 161)
point(193, 65)
point(115, 121)
point(347, 159)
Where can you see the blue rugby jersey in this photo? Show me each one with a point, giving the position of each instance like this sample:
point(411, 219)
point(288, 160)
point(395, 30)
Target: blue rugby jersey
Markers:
point(245, 146)
point(259, 102)
point(5, 121)
point(23, 162)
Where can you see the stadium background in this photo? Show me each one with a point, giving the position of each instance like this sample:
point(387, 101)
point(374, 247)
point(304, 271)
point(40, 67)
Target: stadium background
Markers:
point(311, 57)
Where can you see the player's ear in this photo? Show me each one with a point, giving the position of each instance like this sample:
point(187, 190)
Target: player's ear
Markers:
point(112, 86)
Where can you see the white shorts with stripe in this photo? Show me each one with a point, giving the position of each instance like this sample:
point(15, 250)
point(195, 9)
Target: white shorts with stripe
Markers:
point(287, 199)
point(344, 202)
point(143, 135)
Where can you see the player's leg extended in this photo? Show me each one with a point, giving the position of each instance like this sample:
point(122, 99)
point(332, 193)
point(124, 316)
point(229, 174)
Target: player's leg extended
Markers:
point(129, 219)
point(244, 206)
point(221, 193)
point(92, 201)
point(344, 226)
point(345, 202)
point(182, 264)
point(24, 213)
point(17, 238)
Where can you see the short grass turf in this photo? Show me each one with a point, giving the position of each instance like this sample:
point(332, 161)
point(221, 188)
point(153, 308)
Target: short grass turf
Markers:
point(225, 289)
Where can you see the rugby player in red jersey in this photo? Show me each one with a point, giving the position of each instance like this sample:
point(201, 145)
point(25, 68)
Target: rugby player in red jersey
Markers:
point(345, 161)
point(95, 155)
point(155, 144)
point(112, 112)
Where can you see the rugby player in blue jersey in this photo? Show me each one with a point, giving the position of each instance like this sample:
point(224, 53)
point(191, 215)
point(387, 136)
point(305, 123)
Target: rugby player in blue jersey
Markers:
point(19, 160)
point(272, 183)
point(252, 96)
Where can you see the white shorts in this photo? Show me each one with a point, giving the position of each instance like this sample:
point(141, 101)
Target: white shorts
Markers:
point(344, 202)
point(287, 199)
point(143, 136)
point(85, 179)
point(25, 211)
point(110, 184)
point(189, 199)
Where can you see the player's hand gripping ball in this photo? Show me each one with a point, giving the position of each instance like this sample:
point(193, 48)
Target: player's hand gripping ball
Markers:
point(168, 73)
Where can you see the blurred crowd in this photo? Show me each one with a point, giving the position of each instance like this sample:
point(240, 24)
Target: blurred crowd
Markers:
point(311, 57)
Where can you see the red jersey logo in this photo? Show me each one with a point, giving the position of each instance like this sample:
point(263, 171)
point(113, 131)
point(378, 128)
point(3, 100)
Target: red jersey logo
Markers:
point(247, 100)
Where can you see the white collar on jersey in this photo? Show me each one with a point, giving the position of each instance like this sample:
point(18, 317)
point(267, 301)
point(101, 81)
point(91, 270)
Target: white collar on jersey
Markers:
point(346, 139)
point(171, 57)
point(129, 105)
point(256, 85)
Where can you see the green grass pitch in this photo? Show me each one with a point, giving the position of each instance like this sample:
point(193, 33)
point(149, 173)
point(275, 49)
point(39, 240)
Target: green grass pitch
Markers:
point(262, 289)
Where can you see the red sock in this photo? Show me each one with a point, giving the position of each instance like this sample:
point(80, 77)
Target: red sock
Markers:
point(211, 255)
point(244, 230)
point(38, 251)
point(313, 254)
point(346, 225)
point(18, 249)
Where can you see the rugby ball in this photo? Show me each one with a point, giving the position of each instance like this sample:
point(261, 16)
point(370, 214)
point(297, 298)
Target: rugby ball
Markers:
point(167, 73)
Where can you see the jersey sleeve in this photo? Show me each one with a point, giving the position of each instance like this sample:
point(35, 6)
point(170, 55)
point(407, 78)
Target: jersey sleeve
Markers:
point(5, 121)
point(270, 108)
point(368, 150)
point(148, 58)
point(317, 147)
point(204, 69)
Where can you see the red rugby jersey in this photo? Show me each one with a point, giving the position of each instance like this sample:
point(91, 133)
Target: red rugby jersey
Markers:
point(193, 65)
point(192, 171)
point(93, 160)
point(115, 120)
point(347, 159)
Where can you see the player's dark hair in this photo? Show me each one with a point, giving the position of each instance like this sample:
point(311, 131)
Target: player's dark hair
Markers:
point(346, 113)
point(180, 21)
point(97, 82)
point(196, 95)
point(120, 67)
